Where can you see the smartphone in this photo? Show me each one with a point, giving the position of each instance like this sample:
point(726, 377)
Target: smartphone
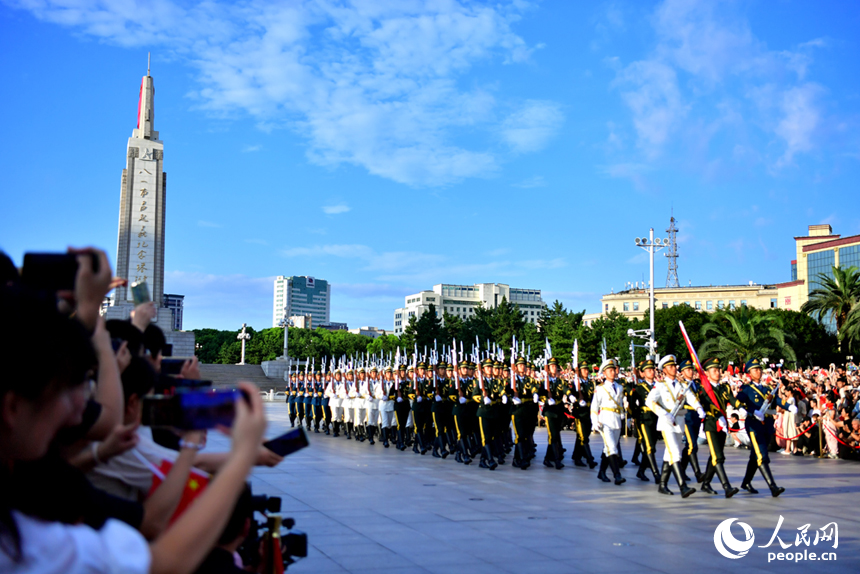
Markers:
point(173, 365)
point(289, 442)
point(52, 271)
point(193, 410)
point(140, 292)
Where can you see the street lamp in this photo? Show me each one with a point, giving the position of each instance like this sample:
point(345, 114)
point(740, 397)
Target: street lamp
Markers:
point(651, 246)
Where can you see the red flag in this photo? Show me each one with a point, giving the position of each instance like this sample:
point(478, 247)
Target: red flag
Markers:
point(197, 483)
point(706, 383)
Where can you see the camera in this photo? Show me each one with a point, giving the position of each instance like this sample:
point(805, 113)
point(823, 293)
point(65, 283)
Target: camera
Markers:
point(293, 543)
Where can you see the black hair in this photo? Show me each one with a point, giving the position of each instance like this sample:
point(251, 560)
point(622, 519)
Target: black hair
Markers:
point(138, 378)
point(153, 340)
point(241, 512)
point(124, 330)
point(8, 271)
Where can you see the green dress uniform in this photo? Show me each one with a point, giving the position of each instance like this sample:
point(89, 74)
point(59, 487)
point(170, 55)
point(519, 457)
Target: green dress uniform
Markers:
point(553, 412)
point(582, 446)
point(487, 399)
point(403, 387)
point(462, 419)
point(646, 425)
point(524, 418)
point(440, 411)
point(715, 431)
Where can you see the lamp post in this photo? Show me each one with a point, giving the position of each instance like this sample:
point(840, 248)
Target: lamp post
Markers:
point(651, 246)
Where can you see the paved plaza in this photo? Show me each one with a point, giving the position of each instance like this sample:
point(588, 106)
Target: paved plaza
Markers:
point(372, 509)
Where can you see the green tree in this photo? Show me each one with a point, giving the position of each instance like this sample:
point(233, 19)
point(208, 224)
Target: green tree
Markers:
point(506, 321)
point(667, 330)
point(613, 327)
point(835, 298)
point(428, 329)
point(210, 341)
point(408, 339)
point(452, 328)
point(745, 333)
point(811, 338)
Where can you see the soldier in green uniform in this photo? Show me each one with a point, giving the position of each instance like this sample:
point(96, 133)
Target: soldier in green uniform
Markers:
point(692, 423)
point(403, 388)
point(523, 416)
point(440, 411)
point(552, 395)
point(716, 427)
point(645, 420)
point(483, 395)
point(421, 395)
point(582, 394)
point(460, 412)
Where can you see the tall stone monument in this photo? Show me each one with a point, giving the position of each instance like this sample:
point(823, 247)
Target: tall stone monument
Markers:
point(140, 245)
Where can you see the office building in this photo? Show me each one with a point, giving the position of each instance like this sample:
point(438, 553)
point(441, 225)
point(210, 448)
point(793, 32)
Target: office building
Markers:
point(462, 301)
point(302, 295)
point(175, 303)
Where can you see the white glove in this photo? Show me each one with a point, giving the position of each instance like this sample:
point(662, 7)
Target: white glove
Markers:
point(582, 403)
point(551, 401)
point(419, 399)
point(721, 424)
point(792, 409)
point(438, 399)
point(384, 399)
point(462, 400)
point(599, 427)
point(668, 419)
point(536, 398)
point(487, 400)
point(517, 401)
point(564, 398)
point(759, 415)
point(504, 399)
point(742, 413)
point(701, 413)
point(399, 399)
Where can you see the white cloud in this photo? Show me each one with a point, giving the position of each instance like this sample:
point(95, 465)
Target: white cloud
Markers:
point(531, 182)
point(800, 120)
point(370, 83)
point(650, 90)
point(251, 148)
point(211, 224)
point(530, 128)
point(335, 209)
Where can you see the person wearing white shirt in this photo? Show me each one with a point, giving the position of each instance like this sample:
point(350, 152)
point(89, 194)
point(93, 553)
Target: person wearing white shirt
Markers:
point(607, 408)
point(666, 395)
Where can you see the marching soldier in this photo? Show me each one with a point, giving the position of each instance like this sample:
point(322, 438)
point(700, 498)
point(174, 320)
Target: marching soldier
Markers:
point(460, 412)
point(607, 408)
point(309, 400)
point(666, 395)
point(552, 396)
point(359, 405)
point(328, 393)
point(292, 394)
point(337, 402)
point(316, 400)
point(401, 406)
point(421, 398)
point(347, 401)
point(760, 401)
point(441, 412)
point(716, 427)
point(386, 394)
point(693, 423)
point(523, 416)
point(482, 394)
point(582, 394)
point(646, 421)
point(372, 404)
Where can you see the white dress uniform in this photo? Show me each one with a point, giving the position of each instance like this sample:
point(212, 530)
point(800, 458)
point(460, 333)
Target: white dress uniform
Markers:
point(372, 403)
point(336, 401)
point(386, 407)
point(607, 409)
point(359, 404)
point(346, 403)
point(662, 400)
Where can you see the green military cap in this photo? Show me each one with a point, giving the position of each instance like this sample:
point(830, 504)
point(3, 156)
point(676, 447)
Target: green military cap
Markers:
point(583, 364)
point(497, 365)
point(553, 361)
point(449, 367)
point(422, 365)
point(753, 364)
point(317, 372)
point(711, 363)
point(487, 363)
point(646, 364)
point(521, 360)
point(685, 364)
point(667, 361)
point(402, 368)
point(506, 368)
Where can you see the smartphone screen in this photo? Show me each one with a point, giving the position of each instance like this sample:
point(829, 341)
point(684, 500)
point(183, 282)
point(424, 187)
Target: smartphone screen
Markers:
point(289, 442)
point(140, 292)
point(173, 365)
point(192, 410)
point(50, 271)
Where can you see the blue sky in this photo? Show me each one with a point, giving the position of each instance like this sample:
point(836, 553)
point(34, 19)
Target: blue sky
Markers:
point(390, 145)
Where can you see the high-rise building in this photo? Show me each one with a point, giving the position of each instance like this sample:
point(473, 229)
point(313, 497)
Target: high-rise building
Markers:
point(302, 295)
point(175, 303)
point(462, 300)
point(140, 242)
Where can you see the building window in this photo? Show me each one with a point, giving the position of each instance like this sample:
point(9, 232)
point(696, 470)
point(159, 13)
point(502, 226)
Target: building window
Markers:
point(731, 304)
point(698, 305)
point(710, 305)
point(626, 306)
point(606, 307)
point(721, 305)
point(635, 305)
point(773, 303)
point(743, 302)
point(665, 305)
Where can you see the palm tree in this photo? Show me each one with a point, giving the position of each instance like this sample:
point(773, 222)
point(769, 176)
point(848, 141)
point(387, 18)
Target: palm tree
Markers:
point(851, 326)
point(743, 334)
point(835, 298)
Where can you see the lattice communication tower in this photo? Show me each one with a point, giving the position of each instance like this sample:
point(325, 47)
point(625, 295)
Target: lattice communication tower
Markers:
point(672, 254)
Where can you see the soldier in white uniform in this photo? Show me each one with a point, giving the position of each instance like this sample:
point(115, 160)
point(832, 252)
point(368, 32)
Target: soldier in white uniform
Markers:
point(359, 405)
point(349, 393)
point(336, 401)
point(384, 394)
point(662, 400)
point(607, 408)
point(372, 404)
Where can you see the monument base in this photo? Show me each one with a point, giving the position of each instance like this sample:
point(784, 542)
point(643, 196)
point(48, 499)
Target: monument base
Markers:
point(276, 369)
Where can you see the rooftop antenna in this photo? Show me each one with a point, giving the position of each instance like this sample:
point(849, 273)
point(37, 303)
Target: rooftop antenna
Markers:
point(672, 253)
point(148, 60)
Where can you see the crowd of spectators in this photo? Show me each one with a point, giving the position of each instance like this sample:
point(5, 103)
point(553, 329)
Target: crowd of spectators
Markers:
point(84, 486)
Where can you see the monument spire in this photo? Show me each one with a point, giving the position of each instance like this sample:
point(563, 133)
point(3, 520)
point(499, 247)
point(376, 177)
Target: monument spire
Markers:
point(146, 107)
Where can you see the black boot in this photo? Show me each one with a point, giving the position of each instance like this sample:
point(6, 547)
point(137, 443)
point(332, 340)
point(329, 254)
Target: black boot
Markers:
point(335, 429)
point(384, 435)
point(371, 430)
point(360, 433)
point(615, 465)
point(679, 476)
point(400, 444)
point(349, 429)
point(436, 444)
point(652, 462)
point(697, 470)
point(682, 466)
point(445, 448)
point(768, 478)
point(487, 460)
point(559, 456)
point(663, 484)
point(750, 473)
point(549, 456)
point(601, 474)
point(464, 452)
point(640, 474)
point(706, 479)
point(636, 451)
point(292, 422)
point(588, 456)
point(724, 480)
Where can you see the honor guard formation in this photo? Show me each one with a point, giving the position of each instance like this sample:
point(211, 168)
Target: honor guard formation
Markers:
point(483, 407)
